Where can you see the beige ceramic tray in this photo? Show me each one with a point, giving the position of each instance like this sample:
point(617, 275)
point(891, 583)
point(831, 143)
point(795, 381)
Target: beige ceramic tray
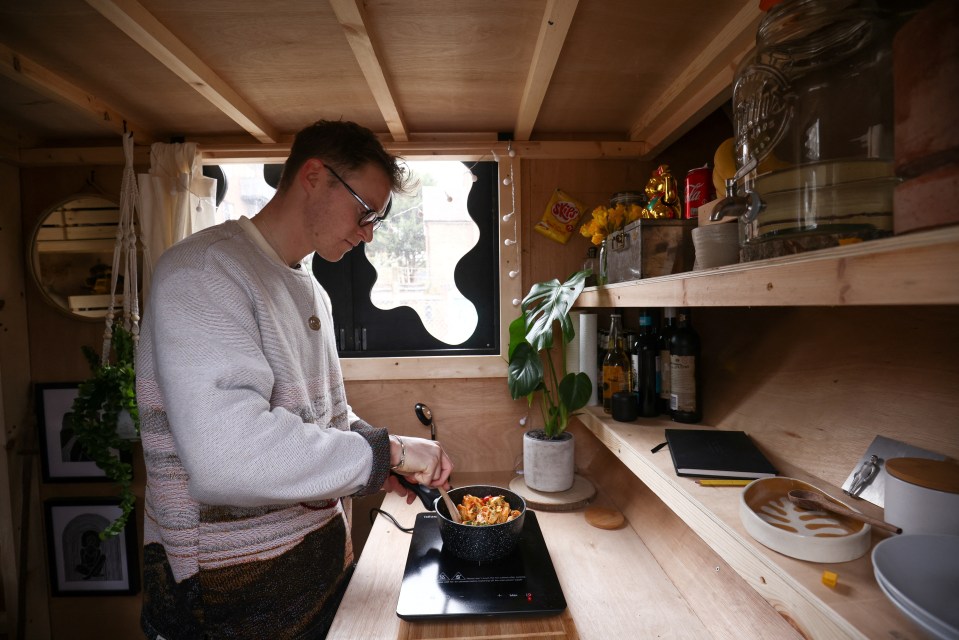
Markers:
point(819, 536)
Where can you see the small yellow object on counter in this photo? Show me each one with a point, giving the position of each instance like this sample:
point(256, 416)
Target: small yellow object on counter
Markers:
point(830, 579)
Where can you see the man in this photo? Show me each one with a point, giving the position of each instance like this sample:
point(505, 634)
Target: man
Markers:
point(252, 452)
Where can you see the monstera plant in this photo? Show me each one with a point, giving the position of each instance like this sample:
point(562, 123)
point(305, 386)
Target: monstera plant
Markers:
point(537, 369)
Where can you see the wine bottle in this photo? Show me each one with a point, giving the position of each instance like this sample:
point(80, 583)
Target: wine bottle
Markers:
point(616, 364)
point(645, 351)
point(662, 361)
point(685, 404)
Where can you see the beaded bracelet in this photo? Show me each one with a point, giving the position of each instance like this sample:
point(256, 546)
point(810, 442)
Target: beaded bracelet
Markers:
point(402, 453)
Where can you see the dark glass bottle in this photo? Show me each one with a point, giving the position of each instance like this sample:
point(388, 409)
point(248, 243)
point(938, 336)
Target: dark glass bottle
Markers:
point(662, 361)
point(644, 354)
point(602, 347)
point(616, 364)
point(685, 403)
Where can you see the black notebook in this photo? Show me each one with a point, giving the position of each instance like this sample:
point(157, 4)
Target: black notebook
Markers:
point(709, 453)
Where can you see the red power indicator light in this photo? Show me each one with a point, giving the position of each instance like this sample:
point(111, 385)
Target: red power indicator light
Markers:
point(529, 597)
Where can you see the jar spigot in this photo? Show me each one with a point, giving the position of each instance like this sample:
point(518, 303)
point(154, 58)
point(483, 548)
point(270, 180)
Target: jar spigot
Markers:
point(746, 207)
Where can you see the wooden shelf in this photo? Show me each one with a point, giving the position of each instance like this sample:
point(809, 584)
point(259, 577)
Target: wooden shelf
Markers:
point(913, 269)
point(855, 609)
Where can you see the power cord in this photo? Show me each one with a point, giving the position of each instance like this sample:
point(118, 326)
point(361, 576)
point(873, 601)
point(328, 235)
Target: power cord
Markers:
point(387, 514)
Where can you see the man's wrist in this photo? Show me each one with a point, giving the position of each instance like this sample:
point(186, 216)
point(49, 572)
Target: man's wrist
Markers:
point(402, 459)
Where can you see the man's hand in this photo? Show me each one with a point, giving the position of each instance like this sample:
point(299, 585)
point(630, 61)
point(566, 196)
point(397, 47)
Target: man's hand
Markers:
point(424, 461)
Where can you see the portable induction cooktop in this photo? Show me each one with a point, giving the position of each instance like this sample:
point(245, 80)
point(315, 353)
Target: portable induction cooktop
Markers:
point(437, 584)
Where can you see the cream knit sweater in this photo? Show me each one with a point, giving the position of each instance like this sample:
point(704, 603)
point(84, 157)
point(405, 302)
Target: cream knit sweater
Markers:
point(247, 435)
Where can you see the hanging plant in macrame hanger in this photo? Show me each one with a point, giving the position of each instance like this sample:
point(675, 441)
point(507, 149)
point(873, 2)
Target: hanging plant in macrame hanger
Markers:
point(105, 416)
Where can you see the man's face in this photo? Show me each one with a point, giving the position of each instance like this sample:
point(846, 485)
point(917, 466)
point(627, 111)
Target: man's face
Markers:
point(333, 213)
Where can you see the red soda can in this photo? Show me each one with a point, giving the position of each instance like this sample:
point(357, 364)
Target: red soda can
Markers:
point(699, 189)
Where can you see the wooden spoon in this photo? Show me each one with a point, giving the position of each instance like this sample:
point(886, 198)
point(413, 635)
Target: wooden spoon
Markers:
point(454, 512)
point(813, 500)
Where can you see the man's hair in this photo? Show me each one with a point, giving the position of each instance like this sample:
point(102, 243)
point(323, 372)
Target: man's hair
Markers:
point(346, 146)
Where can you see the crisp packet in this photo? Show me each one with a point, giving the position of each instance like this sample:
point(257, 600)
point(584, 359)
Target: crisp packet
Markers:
point(560, 218)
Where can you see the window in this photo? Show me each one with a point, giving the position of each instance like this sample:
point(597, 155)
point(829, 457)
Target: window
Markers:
point(428, 284)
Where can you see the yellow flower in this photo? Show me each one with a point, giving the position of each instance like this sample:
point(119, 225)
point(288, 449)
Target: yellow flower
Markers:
point(605, 221)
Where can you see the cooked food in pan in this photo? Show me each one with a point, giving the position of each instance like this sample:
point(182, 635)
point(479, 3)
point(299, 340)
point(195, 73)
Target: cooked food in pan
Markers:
point(483, 511)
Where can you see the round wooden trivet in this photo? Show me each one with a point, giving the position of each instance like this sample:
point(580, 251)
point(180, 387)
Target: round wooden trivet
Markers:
point(603, 518)
point(575, 497)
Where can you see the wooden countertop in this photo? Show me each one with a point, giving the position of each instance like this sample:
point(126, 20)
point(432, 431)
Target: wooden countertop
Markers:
point(613, 584)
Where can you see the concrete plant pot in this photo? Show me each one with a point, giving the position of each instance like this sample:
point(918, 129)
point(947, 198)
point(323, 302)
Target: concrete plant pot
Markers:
point(548, 464)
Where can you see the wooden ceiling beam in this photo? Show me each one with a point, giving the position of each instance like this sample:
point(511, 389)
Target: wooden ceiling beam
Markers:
point(28, 73)
point(139, 24)
point(549, 44)
point(351, 16)
point(214, 152)
point(703, 85)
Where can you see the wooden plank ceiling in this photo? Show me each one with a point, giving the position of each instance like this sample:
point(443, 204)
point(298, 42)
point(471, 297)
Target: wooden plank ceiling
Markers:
point(76, 73)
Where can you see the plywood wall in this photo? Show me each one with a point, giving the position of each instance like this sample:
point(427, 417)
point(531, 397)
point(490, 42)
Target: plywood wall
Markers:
point(815, 385)
point(55, 340)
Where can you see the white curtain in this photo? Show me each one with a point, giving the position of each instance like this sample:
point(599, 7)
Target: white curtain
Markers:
point(176, 200)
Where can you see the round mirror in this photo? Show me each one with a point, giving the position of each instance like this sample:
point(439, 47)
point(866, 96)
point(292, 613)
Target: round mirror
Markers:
point(72, 256)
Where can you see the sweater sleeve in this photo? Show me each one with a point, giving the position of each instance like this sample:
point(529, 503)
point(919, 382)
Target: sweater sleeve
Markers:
point(217, 387)
point(379, 441)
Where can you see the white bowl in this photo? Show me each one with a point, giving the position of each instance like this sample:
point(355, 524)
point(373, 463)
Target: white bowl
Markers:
point(819, 536)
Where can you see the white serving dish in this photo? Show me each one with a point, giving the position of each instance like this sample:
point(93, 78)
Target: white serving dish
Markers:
point(920, 575)
point(817, 536)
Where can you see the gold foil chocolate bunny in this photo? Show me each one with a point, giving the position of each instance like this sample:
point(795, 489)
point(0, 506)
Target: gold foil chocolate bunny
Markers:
point(662, 194)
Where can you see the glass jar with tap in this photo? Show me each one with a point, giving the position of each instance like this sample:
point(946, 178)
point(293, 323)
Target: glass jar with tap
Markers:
point(813, 111)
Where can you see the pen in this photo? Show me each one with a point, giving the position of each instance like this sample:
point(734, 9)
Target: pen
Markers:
point(724, 483)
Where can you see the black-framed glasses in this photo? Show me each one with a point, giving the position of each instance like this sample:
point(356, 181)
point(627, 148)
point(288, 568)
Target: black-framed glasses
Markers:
point(370, 215)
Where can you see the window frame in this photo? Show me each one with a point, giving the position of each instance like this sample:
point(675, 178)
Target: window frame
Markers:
point(510, 256)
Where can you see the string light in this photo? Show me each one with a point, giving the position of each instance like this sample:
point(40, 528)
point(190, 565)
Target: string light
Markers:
point(510, 216)
point(516, 302)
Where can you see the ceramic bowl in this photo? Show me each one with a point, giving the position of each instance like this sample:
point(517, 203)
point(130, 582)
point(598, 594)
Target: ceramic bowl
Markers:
point(480, 543)
point(818, 536)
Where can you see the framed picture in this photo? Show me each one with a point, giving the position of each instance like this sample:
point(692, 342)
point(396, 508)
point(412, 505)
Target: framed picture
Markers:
point(62, 457)
point(80, 562)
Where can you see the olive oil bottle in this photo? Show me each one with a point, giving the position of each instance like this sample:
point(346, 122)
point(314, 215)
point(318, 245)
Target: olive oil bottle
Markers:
point(616, 365)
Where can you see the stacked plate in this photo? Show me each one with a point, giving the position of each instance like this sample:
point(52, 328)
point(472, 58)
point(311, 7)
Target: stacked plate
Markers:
point(920, 575)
